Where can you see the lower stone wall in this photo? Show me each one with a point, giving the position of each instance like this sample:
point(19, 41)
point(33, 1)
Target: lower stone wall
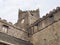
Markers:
point(4, 38)
point(47, 36)
point(13, 31)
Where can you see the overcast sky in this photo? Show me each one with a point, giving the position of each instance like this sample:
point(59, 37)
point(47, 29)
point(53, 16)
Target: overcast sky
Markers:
point(9, 8)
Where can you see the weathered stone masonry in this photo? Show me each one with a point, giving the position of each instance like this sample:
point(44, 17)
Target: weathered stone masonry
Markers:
point(30, 29)
point(11, 34)
point(48, 29)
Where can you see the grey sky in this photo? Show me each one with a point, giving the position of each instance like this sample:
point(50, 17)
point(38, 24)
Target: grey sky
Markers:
point(9, 8)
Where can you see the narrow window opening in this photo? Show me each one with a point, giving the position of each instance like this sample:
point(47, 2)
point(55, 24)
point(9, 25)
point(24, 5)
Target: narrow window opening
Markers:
point(32, 14)
point(22, 21)
point(51, 16)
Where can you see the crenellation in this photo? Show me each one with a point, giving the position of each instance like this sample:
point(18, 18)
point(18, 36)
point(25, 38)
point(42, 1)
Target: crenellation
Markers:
point(47, 14)
point(37, 10)
point(20, 11)
point(50, 13)
point(54, 11)
point(10, 23)
point(4, 20)
point(57, 8)
point(44, 17)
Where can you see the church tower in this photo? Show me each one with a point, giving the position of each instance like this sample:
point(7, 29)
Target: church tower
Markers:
point(26, 18)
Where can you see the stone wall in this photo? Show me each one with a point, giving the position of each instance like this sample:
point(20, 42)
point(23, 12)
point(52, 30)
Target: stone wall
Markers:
point(48, 32)
point(45, 31)
point(10, 40)
point(12, 30)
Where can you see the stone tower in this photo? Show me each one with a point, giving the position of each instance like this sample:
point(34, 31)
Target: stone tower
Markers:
point(26, 18)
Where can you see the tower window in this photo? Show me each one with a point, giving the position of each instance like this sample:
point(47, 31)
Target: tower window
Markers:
point(22, 21)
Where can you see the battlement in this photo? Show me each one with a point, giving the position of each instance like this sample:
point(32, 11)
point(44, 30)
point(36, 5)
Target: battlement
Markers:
point(46, 20)
point(5, 21)
point(51, 13)
point(20, 11)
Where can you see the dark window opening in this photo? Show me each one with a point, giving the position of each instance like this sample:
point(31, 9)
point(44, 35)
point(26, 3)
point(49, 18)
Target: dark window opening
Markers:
point(50, 16)
point(36, 28)
point(32, 14)
point(5, 26)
